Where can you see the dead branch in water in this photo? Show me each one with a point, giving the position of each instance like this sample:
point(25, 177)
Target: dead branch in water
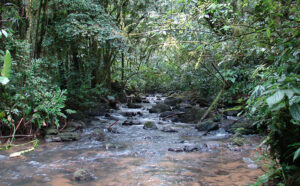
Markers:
point(114, 123)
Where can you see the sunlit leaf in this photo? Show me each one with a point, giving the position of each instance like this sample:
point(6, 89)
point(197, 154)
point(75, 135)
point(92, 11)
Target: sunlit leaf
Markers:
point(7, 65)
point(297, 154)
point(295, 111)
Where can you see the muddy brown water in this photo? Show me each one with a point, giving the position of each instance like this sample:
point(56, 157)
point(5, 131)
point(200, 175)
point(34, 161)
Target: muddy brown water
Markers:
point(135, 156)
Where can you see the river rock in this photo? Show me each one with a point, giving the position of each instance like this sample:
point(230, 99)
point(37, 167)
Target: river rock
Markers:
point(237, 139)
point(175, 150)
point(98, 135)
point(52, 138)
point(160, 107)
point(131, 122)
point(207, 126)
point(172, 101)
point(149, 125)
point(129, 114)
point(243, 126)
point(191, 115)
point(133, 105)
point(69, 136)
point(76, 124)
point(113, 130)
point(167, 113)
point(168, 129)
point(137, 99)
point(82, 175)
point(52, 131)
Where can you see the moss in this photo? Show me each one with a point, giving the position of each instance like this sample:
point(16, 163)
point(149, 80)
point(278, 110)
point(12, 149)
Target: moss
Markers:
point(149, 125)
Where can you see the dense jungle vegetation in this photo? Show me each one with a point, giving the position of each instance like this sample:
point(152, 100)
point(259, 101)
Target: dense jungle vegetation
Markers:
point(58, 57)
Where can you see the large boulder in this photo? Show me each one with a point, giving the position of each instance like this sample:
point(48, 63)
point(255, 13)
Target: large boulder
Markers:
point(133, 105)
point(207, 126)
point(171, 101)
point(243, 126)
point(160, 107)
point(149, 125)
point(191, 115)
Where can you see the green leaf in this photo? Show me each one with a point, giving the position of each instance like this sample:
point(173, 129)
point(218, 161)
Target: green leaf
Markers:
point(268, 32)
point(4, 33)
point(4, 80)
point(69, 111)
point(295, 111)
point(7, 65)
point(275, 98)
point(297, 154)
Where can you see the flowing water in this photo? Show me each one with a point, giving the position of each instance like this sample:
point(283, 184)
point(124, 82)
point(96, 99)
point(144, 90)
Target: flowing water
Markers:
point(135, 156)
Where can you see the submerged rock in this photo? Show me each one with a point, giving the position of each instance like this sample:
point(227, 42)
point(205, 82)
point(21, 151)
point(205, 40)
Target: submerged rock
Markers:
point(149, 125)
point(175, 150)
point(52, 138)
point(168, 129)
point(82, 175)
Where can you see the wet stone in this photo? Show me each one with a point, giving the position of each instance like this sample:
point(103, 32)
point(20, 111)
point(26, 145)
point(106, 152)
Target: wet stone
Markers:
point(160, 107)
point(169, 129)
point(149, 125)
point(113, 130)
point(207, 126)
point(132, 105)
point(52, 131)
point(98, 135)
point(82, 175)
point(52, 138)
point(175, 150)
point(76, 125)
point(131, 122)
point(69, 136)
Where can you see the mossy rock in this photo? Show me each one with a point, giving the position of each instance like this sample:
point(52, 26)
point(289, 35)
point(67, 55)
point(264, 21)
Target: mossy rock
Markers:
point(52, 131)
point(69, 136)
point(171, 101)
point(244, 127)
point(99, 135)
point(238, 139)
point(82, 175)
point(161, 107)
point(207, 126)
point(149, 125)
point(191, 115)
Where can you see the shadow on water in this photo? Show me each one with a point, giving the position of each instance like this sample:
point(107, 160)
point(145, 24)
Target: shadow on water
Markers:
point(135, 157)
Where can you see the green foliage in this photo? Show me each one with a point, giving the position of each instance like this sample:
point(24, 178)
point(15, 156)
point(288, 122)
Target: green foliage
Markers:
point(5, 73)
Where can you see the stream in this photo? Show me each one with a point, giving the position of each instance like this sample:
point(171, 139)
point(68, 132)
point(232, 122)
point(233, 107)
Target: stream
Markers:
point(131, 155)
